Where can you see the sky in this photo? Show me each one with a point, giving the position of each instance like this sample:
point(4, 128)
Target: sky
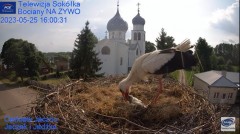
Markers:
point(215, 20)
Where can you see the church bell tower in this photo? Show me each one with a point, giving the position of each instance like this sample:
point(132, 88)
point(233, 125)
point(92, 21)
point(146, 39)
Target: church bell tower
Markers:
point(138, 33)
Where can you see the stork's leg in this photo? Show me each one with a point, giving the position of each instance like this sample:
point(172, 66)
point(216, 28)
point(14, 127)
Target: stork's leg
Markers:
point(160, 88)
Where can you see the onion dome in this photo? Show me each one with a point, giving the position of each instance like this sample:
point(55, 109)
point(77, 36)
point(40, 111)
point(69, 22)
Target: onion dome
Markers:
point(138, 20)
point(117, 23)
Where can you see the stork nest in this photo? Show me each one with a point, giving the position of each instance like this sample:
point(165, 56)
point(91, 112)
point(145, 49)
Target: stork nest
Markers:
point(97, 107)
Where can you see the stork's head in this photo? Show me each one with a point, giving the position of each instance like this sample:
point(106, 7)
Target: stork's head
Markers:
point(124, 89)
point(189, 59)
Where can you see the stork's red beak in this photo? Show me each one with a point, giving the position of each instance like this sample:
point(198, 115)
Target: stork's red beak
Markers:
point(125, 95)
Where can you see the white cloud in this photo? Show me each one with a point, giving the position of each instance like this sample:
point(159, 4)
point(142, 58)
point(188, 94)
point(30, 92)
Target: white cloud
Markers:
point(227, 19)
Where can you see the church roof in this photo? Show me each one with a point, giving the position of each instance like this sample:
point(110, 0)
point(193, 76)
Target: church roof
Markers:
point(117, 23)
point(138, 20)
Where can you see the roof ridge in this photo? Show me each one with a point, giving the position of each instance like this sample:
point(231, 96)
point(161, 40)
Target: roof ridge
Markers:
point(222, 77)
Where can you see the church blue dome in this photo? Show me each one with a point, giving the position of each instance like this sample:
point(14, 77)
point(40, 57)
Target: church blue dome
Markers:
point(138, 20)
point(117, 23)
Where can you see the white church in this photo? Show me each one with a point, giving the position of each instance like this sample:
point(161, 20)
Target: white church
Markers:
point(115, 52)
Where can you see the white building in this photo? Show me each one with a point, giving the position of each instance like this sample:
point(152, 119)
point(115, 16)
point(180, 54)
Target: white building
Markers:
point(218, 86)
point(115, 52)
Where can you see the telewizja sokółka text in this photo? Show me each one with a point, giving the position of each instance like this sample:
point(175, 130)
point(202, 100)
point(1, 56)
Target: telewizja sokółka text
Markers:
point(45, 7)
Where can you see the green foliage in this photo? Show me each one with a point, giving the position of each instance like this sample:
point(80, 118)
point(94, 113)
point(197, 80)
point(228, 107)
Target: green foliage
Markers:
point(11, 75)
point(223, 57)
point(214, 61)
point(204, 52)
point(175, 74)
point(56, 81)
point(149, 47)
point(84, 61)
point(220, 60)
point(189, 76)
point(22, 57)
point(58, 74)
point(164, 41)
point(34, 78)
point(50, 55)
point(229, 52)
point(236, 68)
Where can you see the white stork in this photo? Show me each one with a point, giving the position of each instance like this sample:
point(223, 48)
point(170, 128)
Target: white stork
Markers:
point(158, 62)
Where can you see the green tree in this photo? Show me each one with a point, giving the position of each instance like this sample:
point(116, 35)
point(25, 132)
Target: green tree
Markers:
point(84, 61)
point(6, 55)
point(204, 52)
point(220, 60)
point(32, 58)
point(149, 47)
point(164, 41)
point(229, 52)
point(22, 57)
point(15, 54)
point(214, 61)
point(236, 54)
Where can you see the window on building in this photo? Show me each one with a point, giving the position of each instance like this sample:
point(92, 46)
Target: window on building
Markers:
point(137, 52)
point(105, 50)
point(230, 95)
point(121, 61)
point(139, 36)
point(135, 36)
point(113, 35)
point(120, 35)
point(224, 96)
point(216, 95)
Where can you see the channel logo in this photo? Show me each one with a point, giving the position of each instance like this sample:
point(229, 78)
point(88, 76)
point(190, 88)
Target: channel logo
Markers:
point(7, 7)
point(227, 123)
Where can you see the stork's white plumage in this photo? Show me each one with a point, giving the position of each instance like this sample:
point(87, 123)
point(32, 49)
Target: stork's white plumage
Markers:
point(158, 62)
point(184, 46)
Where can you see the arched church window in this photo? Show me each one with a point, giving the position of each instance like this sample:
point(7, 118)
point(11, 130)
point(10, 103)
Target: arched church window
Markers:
point(135, 36)
point(137, 52)
point(139, 36)
point(105, 50)
point(120, 35)
point(112, 35)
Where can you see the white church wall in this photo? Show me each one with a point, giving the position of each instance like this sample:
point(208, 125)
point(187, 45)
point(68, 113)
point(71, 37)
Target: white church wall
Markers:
point(142, 47)
point(108, 66)
point(122, 59)
point(132, 57)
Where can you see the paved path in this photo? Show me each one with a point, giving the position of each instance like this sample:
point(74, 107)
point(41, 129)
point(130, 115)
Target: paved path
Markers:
point(16, 101)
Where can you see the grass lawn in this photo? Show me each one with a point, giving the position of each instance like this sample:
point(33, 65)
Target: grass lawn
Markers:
point(175, 74)
point(12, 84)
point(189, 76)
point(17, 83)
point(55, 81)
